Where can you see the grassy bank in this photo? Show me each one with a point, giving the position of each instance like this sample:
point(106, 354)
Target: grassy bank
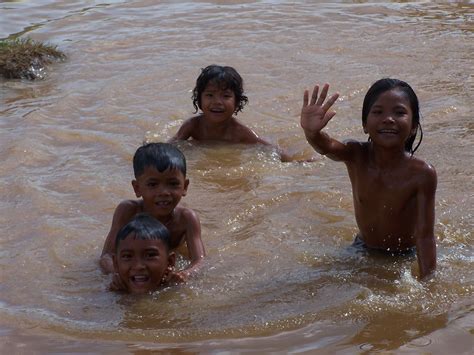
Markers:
point(24, 58)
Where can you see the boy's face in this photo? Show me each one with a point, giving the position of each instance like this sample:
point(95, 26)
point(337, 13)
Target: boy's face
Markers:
point(217, 104)
point(141, 264)
point(161, 191)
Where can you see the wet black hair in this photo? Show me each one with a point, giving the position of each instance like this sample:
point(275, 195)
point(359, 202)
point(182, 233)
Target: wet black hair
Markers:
point(225, 78)
point(386, 84)
point(160, 156)
point(144, 227)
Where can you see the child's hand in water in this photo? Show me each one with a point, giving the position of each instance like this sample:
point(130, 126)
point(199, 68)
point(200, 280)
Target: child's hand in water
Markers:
point(178, 277)
point(315, 115)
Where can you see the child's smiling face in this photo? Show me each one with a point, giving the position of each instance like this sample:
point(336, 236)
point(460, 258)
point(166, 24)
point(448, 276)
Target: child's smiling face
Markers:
point(217, 104)
point(141, 264)
point(390, 119)
point(161, 191)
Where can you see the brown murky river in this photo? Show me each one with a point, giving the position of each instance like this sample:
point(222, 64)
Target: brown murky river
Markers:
point(279, 276)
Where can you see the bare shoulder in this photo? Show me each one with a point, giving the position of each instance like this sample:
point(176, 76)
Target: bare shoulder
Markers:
point(187, 129)
point(246, 134)
point(425, 172)
point(356, 151)
point(185, 214)
point(127, 209)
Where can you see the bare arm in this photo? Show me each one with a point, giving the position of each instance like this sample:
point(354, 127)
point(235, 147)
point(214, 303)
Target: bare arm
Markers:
point(194, 245)
point(185, 131)
point(315, 115)
point(425, 240)
point(123, 213)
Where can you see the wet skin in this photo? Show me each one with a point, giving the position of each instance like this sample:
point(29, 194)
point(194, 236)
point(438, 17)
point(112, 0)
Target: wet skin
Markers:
point(141, 264)
point(160, 193)
point(393, 192)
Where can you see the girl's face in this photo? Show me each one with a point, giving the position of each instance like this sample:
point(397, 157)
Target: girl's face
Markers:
point(390, 120)
point(217, 104)
point(141, 264)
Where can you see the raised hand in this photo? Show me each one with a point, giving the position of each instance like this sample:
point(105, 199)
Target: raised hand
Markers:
point(315, 115)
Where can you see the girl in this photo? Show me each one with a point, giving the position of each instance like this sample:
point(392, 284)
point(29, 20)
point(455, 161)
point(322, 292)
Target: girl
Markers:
point(219, 94)
point(393, 192)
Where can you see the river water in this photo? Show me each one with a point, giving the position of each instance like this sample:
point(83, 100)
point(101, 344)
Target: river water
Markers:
point(279, 276)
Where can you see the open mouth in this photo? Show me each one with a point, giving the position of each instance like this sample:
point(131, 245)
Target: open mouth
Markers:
point(388, 131)
point(138, 279)
point(163, 203)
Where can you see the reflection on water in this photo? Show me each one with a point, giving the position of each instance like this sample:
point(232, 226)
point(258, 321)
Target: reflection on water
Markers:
point(280, 275)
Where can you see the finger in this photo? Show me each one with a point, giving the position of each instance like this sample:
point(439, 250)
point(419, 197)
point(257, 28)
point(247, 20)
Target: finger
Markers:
point(305, 98)
point(328, 116)
point(315, 94)
point(324, 93)
point(331, 101)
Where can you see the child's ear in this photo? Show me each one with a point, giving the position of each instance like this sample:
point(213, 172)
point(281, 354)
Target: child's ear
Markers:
point(136, 188)
point(171, 259)
point(186, 184)
point(365, 128)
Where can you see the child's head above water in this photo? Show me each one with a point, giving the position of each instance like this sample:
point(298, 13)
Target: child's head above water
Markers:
point(142, 254)
point(383, 85)
point(161, 156)
point(225, 78)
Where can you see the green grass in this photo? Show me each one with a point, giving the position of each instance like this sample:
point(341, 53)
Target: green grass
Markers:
point(25, 58)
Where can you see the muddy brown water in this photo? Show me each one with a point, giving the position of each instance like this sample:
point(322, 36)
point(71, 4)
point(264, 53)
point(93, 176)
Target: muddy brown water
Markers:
point(279, 276)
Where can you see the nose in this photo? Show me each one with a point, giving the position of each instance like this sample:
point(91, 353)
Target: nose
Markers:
point(137, 264)
point(388, 118)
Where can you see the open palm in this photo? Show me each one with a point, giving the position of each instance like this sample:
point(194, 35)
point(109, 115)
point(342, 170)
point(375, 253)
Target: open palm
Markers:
point(315, 114)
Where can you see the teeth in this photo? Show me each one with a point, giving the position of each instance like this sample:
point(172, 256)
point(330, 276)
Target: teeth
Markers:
point(140, 278)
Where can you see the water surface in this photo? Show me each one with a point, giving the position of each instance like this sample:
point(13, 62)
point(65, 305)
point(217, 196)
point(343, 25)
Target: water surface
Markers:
point(279, 276)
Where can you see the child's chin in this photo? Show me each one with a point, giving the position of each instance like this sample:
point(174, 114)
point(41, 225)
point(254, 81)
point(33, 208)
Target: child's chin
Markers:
point(140, 290)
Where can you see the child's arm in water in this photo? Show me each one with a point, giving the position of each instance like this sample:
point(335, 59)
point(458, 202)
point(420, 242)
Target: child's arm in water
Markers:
point(123, 213)
point(194, 244)
point(185, 131)
point(424, 232)
point(315, 115)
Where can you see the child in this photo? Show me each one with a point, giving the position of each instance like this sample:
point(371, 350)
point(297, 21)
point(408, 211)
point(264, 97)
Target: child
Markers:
point(393, 192)
point(142, 260)
point(219, 94)
point(160, 182)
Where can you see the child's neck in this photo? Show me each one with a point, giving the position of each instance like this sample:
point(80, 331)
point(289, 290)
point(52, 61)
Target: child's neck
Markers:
point(166, 220)
point(386, 158)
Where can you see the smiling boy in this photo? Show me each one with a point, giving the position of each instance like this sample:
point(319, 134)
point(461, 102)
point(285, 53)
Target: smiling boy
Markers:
point(160, 183)
point(142, 260)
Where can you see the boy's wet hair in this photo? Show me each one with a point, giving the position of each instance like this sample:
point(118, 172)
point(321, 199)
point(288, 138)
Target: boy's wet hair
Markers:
point(161, 156)
point(386, 84)
point(225, 78)
point(144, 227)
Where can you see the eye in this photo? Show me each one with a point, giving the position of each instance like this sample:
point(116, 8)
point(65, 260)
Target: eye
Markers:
point(125, 256)
point(151, 184)
point(151, 254)
point(174, 183)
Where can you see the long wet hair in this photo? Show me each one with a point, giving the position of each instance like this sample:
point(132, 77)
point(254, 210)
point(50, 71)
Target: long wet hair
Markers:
point(225, 78)
point(144, 227)
point(161, 156)
point(386, 84)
